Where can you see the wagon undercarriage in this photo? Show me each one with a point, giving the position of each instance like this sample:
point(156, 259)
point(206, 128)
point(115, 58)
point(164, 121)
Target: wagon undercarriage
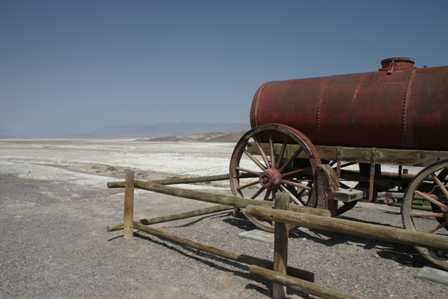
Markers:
point(282, 159)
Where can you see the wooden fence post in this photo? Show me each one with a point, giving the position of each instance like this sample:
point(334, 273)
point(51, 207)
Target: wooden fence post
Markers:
point(128, 214)
point(280, 246)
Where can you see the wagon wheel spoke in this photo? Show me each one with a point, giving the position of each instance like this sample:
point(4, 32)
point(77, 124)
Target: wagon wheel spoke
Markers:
point(255, 160)
point(428, 215)
point(263, 154)
point(296, 184)
point(271, 146)
point(294, 172)
point(248, 171)
point(258, 192)
point(430, 197)
point(298, 201)
point(439, 226)
point(300, 193)
point(248, 185)
point(266, 195)
point(294, 155)
point(441, 185)
point(282, 153)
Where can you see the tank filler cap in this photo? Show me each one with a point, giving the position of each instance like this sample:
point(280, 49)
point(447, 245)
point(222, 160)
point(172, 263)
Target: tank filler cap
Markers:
point(397, 64)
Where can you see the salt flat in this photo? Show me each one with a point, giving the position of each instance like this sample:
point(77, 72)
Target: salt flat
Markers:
point(175, 157)
point(54, 208)
point(46, 158)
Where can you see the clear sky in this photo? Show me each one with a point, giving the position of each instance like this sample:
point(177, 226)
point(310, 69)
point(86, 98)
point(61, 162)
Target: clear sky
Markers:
point(69, 67)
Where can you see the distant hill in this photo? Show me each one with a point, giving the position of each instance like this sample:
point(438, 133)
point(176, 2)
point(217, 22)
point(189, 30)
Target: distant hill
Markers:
point(173, 129)
point(5, 134)
point(203, 137)
point(2, 136)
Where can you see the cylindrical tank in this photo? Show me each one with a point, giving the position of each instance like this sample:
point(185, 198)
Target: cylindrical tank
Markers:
point(399, 106)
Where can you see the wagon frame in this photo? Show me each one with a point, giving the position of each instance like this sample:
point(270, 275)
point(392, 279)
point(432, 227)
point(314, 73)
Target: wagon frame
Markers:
point(421, 196)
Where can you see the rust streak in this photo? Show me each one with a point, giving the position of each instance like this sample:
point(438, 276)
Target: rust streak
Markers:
point(404, 109)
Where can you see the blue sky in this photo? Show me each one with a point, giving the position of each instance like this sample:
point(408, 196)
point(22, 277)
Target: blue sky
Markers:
point(69, 67)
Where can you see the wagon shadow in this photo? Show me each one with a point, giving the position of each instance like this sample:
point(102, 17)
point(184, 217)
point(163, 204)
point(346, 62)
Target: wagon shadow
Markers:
point(261, 285)
point(402, 254)
point(241, 223)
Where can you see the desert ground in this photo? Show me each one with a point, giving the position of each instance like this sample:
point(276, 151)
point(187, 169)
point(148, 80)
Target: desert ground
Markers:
point(55, 206)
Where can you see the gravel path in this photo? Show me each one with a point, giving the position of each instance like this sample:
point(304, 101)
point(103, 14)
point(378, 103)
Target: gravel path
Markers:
point(54, 244)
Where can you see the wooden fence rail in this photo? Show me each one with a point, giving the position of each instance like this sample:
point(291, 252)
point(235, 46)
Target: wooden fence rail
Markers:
point(221, 199)
point(363, 230)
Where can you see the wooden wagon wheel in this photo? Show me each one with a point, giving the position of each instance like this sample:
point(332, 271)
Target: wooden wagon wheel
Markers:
point(270, 153)
point(425, 208)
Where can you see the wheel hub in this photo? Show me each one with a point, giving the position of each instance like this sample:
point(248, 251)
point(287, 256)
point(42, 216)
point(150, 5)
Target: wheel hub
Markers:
point(271, 178)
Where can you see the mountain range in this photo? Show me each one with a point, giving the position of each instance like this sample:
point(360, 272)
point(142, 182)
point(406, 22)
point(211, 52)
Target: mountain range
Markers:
point(167, 129)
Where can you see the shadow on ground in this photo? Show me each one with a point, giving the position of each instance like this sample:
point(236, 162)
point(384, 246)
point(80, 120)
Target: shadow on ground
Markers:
point(402, 254)
point(263, 287)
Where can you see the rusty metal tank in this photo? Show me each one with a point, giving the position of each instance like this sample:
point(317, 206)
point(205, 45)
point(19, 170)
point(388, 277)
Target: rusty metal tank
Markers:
point(399, 106)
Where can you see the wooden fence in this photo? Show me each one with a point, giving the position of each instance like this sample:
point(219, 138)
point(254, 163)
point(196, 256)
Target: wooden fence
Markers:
point(280, 211)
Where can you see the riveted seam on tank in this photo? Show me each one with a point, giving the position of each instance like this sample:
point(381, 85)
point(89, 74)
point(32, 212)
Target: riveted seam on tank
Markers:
point(319, 104)
point(404, 109)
